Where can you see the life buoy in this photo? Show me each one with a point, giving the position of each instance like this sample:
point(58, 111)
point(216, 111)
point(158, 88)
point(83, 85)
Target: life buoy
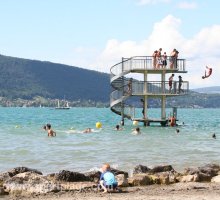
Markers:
point(172, 121)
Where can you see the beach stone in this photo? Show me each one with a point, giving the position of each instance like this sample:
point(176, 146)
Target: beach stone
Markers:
point(93, 175)
point(198, 177)
point(3, 177)
point(190, 171)
point(216, 179)
point(140, 169)
point(50, 177)
point(164, 178)
point(202, 177)
point(122, 180)
point(29, 183)
point(161, 168)
point(204, 173)
point(69, 176)
point(210, 169)
point(187, 178)
point(18, 170)
point(2, 191)
point(139, 180)
point(154, 179)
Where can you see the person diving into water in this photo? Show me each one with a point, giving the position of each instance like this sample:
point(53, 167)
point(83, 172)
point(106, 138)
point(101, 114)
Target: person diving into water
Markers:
point(208, 72)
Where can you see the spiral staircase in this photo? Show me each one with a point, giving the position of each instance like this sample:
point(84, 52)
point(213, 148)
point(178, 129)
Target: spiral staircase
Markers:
point(148, 89)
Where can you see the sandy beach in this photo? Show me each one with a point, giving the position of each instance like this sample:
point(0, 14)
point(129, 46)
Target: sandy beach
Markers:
point(179, 191)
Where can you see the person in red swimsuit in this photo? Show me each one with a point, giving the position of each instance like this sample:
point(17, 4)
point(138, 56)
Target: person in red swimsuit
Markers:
point(209, 72)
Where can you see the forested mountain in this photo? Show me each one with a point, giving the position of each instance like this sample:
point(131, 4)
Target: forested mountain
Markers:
point(23, 78)
point(34, 83)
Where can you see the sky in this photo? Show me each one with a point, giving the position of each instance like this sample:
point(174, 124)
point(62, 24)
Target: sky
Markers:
point(95, 34)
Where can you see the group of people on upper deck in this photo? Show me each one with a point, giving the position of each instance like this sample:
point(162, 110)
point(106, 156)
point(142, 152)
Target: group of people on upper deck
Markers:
point(160, 61)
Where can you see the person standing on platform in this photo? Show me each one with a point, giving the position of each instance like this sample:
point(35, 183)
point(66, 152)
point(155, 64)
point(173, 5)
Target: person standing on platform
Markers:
point(171, 82)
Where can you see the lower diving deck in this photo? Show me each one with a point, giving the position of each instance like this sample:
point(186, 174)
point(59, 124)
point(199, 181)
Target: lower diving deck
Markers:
point(148, 122)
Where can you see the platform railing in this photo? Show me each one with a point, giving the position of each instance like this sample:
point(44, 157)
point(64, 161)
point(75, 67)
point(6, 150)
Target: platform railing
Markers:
point(146, 63)
point(159, 88)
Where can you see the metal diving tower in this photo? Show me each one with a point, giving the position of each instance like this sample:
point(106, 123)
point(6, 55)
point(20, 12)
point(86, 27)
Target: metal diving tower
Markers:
point(125, 88)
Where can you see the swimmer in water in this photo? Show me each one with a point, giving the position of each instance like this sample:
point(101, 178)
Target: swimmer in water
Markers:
point(50, 132)
point(88, 130)
point(117, 128)
point(209, 72)
point(213, 136)
point(177, 131)
point(136, 131)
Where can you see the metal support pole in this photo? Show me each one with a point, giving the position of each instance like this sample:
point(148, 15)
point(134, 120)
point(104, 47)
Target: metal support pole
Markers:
point(163, 107)
point(163, 98)
point(145, 96)
point(123, 91)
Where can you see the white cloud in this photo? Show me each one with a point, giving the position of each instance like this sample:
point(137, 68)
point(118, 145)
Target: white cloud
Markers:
point(200, 50)
point(147, 2)
point(187, 5)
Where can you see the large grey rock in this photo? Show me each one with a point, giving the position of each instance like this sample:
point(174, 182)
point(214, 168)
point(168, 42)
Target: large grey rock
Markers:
point(93, 175)
point(69, 176)
point(18, 170)
point(161, 168)
point(139, 180)
point(168, 177)
point(197, 177)
point(140, 169)
point(202, 174)
point(29, 183)
point(210, 169)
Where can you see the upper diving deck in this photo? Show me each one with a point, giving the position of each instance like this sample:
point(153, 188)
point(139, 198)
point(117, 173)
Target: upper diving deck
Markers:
point(141, 64)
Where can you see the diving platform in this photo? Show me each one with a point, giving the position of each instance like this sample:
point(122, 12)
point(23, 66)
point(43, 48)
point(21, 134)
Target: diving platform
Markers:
point(126, 87)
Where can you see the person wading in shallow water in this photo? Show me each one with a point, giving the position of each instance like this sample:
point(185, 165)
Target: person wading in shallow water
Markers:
point(50, 132)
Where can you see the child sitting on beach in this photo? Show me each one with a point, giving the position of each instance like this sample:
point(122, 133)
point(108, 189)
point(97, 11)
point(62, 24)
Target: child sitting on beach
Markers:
point(107, 178)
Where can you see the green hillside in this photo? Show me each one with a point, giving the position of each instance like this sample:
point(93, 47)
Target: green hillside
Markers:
point(23, 78)
point(34, 83)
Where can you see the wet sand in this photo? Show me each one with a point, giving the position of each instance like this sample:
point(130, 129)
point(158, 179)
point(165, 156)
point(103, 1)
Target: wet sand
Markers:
point(179, 191)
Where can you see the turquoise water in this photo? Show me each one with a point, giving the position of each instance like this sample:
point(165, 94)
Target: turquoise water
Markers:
point(24, 143)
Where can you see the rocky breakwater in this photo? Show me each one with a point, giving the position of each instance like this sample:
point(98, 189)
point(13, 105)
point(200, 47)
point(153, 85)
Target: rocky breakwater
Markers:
point(23, 181)
point(165, 174)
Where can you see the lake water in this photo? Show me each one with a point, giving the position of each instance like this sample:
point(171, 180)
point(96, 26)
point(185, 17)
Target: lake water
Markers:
point(23, 142)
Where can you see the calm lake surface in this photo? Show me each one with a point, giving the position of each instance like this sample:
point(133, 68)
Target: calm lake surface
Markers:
point(23, 142)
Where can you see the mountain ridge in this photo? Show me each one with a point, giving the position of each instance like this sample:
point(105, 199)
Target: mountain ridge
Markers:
point(25, 78)
point(208, 90)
